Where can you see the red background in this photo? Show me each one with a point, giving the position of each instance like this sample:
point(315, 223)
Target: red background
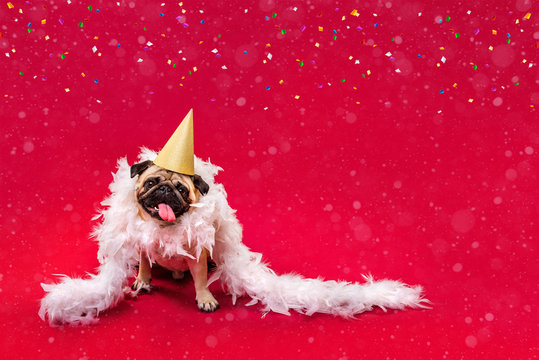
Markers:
point(402, 146)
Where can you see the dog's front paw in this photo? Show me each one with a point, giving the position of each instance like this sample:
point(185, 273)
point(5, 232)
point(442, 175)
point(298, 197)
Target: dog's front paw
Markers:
point(140, 285)
point(206, 302)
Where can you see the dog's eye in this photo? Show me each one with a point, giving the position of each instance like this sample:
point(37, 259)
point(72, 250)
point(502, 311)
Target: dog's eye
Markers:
point(149, 183)
point(181, 189)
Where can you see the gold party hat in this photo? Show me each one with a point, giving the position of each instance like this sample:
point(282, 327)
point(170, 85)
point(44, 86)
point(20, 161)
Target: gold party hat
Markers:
point(178, 153)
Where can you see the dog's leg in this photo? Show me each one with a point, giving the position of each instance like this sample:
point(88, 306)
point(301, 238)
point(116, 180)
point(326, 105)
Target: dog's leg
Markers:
point(144, 274)
point(199, 270)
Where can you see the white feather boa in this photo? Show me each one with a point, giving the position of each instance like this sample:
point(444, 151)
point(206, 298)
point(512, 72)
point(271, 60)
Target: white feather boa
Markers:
point(210, 225)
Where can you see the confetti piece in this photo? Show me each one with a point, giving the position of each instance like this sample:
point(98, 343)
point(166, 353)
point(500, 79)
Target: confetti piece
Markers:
point(490, 48)
point(270, 56)
point(494, 32)
point(139, 60)
point(94, 49)
point(283, 31)
point(296, 97)
point(457, 35)
point(320, 28)
point(81, 24)
point(281, 82)
point(354, 13)
point(43, 22)
point(343, 80)
point(317, 45)
point(274, 15)
point(527, 16)
point(47, 37)
point(67, 90)
point(10, 5)
point(447, 18)
point(96, 81)
point(443, 59)
point(470, 100)
point(83, 74)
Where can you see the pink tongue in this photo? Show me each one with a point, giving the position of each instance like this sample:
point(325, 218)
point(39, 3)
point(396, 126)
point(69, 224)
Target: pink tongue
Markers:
point(166, 213)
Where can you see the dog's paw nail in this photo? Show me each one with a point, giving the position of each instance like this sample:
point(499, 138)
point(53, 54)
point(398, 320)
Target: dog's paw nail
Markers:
point(208, 306)
point(141, 286)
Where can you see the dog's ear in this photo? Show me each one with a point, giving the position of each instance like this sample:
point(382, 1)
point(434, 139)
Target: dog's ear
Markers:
point(200, 184)
point(137, 169)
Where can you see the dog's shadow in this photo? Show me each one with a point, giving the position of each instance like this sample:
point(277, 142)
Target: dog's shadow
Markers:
point(165, 292)
point(180, 292)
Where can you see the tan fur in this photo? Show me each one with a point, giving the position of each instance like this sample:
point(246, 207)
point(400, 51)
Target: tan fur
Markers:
point(198, 268)
point(175, 178)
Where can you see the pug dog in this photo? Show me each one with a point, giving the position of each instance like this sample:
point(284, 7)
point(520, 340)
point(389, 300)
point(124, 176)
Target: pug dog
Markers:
point(164, 196)
point(179, 221)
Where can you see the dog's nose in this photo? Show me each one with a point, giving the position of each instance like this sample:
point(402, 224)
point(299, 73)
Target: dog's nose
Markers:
point(165, 189)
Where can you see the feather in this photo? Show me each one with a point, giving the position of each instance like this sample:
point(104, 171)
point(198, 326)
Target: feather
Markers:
point(210, 225)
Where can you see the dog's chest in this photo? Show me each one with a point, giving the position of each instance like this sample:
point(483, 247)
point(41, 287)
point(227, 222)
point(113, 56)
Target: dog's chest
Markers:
point(174, 263)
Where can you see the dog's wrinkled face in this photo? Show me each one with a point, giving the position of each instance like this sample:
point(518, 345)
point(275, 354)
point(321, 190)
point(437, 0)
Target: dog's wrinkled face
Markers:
point(165, 195)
